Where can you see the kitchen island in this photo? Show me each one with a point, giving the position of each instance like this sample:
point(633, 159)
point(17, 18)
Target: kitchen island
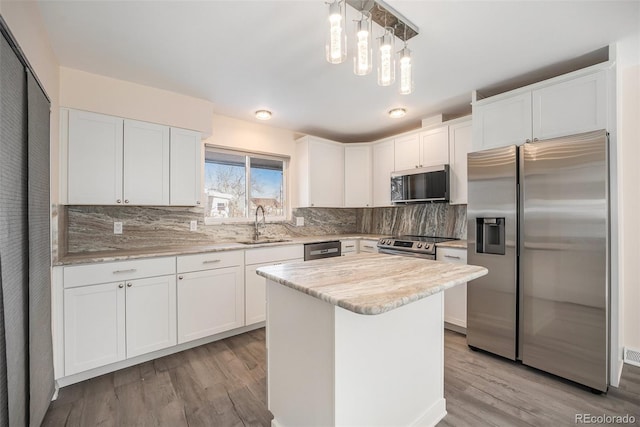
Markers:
point(358, 340)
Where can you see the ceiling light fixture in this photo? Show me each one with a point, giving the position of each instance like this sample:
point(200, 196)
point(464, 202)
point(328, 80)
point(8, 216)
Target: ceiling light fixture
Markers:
point(362, 60)
point(336, 44)
point(397, 113)
point(263, 114)
point(393, 24)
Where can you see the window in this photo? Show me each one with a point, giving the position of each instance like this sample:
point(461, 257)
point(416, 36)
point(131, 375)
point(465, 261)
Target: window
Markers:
point(237, 183)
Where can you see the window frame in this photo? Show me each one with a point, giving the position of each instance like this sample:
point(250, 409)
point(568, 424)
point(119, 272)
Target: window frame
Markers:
point(286, 160)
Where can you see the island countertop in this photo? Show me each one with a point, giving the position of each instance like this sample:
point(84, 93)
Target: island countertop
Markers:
point(371, 283)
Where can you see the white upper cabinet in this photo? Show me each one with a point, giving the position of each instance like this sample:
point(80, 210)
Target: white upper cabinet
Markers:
point(357, 176)
point(115, 161)
point(186, 168)
point(407, 152)
point(434, 147)
point(146, 163)
point(565, 105)
point(94, 171)
point(459, 146)
point(574, 106)
point(320, 172)
point(501, 123)
point(383, 165)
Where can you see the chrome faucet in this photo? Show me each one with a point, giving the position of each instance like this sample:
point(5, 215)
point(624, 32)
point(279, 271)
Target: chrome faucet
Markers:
point(256, 234)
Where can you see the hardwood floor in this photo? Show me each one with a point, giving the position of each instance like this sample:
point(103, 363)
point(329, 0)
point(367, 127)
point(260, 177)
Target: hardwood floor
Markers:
point(224, 384)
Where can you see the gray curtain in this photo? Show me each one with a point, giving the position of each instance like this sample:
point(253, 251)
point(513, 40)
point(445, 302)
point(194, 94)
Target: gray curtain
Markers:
point(13, 229)
point(26, 363)
point(40, 342)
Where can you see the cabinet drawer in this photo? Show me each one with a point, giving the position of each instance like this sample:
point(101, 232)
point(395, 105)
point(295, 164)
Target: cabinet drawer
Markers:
point(209, 261)
point(454, 255)
point(348, 246)
point(92, 274)
point(369, 246)
point(278, 253)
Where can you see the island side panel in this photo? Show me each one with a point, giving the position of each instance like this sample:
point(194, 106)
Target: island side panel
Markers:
point(389, 368)
point(300, 370)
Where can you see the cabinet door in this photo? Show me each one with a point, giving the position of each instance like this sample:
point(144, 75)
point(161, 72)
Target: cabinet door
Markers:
point(186, 168)
point(210, 302)
point(94, 175)
point(94, 326)
point(151, 314)
point(501, 123)
point(370, 246)
point(383, 165)
point(434, 147)
point(146, 163)
point(455, 299)
point(326, 174)
point(348, 247)
point(574, 106)
point(459, 146)
point(357, 176)
point(407, 152)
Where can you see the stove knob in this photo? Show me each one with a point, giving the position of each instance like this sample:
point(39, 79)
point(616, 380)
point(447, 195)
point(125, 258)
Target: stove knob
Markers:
point(419, 245)
point(388, 242)
point(427, 246)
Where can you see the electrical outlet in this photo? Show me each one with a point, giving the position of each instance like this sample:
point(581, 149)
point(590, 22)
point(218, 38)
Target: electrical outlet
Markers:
point(299, 221)
point(117, 228)
point(193, 225)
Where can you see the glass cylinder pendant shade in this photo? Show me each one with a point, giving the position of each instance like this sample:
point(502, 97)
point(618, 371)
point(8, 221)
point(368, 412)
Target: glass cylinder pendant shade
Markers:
point(362, 60)
point(336, 45)
point(406, 72)
point(386, 59)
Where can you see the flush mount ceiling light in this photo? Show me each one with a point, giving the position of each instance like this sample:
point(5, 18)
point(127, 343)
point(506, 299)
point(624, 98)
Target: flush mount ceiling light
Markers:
point(397, 113)
point(393, 25)
point(263, 114)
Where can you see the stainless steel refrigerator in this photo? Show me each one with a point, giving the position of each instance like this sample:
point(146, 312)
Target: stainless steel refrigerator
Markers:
point(538, 219)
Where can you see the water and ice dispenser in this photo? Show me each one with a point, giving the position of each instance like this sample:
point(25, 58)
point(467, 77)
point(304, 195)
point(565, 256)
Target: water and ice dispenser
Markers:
point(490, 236)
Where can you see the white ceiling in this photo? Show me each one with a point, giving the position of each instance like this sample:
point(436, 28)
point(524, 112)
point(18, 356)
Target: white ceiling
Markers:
point(247, 55)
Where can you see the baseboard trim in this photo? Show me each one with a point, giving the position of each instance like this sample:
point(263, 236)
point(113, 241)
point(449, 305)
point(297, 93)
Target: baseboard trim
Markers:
point(433, 415)
point(455, 328)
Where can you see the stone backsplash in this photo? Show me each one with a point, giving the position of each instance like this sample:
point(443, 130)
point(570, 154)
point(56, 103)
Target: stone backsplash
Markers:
point(90, 228)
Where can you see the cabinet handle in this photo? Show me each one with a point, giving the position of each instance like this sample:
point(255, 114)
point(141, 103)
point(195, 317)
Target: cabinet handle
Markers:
point(129, 285)
point(417, 166)
point(535, 139)
point(121, 286)
point(311, 204)
point(118, 201)
point(350, 246)
point(197, 202)
point(452, 256)
point(528, 140)
point(131, 270)
point(420, 165)
point(368, 247)
point(180, 277)
point(126, 200)
point(211, 261)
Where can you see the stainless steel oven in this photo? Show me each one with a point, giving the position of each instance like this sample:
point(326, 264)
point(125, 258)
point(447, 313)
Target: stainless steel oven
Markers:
point(411, 245)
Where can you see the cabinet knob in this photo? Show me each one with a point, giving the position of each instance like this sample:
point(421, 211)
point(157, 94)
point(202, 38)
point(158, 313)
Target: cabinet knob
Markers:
point(129, 285)
point(126, 201)
point(121, 286)
point(528, 140)
point(311, 204)
point(535, 139)
point(420, 165)
point(416, 166)
point(197, 202)
point(180, 277)
point(118, 201)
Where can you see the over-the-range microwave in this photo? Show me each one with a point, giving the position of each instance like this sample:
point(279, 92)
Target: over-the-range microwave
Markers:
point(430, 184)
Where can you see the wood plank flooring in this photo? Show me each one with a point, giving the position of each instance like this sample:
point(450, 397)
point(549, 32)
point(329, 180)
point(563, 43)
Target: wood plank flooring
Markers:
point(224, 384)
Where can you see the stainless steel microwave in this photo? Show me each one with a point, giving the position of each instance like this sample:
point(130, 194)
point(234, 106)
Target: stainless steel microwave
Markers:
point(429, 184)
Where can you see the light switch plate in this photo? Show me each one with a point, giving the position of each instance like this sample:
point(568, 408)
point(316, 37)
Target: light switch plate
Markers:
point(117, 227)
point(299, 221)
point(193, 225)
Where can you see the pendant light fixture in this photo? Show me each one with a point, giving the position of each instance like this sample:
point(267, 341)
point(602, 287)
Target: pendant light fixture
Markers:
point(386, 58)
point(406, 69)
point(336, 44)
point(362, 60)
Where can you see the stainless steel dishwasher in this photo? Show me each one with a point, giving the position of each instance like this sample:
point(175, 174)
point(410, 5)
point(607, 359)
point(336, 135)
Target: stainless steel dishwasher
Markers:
point(322, 250)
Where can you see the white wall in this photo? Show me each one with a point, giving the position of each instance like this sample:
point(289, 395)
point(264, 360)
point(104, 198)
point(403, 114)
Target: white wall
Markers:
point(100, 94)
point(628, 118)
point(26, 25)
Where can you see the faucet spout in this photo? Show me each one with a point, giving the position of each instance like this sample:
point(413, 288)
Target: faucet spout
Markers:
point(256, 233)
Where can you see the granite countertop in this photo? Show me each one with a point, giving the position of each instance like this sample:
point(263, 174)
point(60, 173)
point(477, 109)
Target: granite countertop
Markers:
point(371, 283)
point(457, 244)
point(120, 255)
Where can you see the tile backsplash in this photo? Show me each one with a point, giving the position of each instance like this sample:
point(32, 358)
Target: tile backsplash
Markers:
point(90, 228)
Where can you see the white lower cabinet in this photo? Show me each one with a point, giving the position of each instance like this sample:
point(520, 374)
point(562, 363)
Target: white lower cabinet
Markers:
point(455, 299)
point(369, 246)
point(348, 247)
point(210, 301)
point(255, 286)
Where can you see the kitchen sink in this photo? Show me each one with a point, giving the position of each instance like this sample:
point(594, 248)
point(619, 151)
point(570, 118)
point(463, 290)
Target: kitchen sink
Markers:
point(259, 241)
